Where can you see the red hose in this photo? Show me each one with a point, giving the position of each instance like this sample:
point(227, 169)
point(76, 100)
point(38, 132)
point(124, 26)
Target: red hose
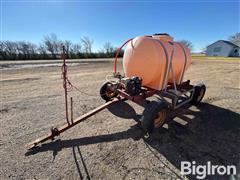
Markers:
point(116, 57)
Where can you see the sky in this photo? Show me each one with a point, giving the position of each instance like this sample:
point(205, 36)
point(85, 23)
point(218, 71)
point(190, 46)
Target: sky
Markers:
point(201, 22)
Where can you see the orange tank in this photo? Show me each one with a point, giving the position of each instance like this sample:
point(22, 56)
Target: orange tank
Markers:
point(149, 57)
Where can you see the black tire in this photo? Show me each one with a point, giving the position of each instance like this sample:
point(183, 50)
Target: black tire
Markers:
point(105, 92)
point(199, 93)
point(151, 112)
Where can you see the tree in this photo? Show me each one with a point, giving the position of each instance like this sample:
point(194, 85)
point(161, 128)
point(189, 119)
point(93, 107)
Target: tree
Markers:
point(42, 51)
point(52, 44)
point(51, 48)
point(235, 39)
point(108, 48)
point(2, 50)
point(87, 44)
point(10, 49)
point(76, 48)
point(26, 49)
point(187, 44)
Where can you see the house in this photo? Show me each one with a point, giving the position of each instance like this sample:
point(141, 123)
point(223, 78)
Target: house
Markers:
point(223, 48)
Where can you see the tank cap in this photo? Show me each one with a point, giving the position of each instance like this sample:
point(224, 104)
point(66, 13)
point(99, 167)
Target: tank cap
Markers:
point(163, 37)
point(160, 34)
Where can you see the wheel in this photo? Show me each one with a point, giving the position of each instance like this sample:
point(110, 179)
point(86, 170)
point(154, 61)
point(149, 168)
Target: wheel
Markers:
point(154, 115)
point(106, 93)
point(200, 90)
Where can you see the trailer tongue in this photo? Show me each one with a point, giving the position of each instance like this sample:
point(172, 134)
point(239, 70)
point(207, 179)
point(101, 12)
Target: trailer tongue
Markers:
point(58, 130)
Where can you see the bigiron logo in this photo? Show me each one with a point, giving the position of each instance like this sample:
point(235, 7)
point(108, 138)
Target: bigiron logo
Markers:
point(201, 171)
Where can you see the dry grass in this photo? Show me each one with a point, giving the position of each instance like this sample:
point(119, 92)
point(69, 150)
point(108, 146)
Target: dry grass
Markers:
point(204, 57)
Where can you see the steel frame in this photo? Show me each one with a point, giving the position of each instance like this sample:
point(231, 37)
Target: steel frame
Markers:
point(178, 94)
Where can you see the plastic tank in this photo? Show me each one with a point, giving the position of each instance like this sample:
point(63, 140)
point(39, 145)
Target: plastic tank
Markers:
point(149, 57)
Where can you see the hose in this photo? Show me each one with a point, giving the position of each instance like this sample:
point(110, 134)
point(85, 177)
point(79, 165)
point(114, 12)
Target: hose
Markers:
point(69, 86)
point(116, 57)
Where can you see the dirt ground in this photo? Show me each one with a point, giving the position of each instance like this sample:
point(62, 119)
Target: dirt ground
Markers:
point(109, 145)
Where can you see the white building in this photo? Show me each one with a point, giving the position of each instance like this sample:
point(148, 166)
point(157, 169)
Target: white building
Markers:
point(223, 48)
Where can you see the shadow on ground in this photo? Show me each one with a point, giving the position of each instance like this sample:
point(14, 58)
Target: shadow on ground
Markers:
point(209, 133)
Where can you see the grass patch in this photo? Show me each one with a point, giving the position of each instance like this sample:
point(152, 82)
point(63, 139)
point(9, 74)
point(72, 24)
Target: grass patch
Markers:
point(202, 56)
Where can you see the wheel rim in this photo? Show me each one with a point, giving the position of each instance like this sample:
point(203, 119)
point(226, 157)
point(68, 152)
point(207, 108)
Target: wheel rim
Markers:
point(200, 95)
point(160, 119)
point(110, 94)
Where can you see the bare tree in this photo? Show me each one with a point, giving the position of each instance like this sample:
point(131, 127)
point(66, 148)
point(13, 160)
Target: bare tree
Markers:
point(52, 44)
point(87, 44)
point(187, 44)
point(235, 39)
point(108, 48)
point(2, 50)
point(26, 49)
point(10, 49)
point(76, 48)
point(2, 46)
point(32, 48)
point(42, 49)
point(51, 47)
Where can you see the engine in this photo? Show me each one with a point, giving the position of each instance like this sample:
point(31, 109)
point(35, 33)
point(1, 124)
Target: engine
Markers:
point(132, 85)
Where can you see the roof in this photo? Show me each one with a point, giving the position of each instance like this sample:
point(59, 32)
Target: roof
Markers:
point(227, 42)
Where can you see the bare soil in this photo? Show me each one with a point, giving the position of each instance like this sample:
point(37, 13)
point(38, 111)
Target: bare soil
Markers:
point(109, 145)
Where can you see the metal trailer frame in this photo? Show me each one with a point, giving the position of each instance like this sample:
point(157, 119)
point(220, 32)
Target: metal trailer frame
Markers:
point(178, 94)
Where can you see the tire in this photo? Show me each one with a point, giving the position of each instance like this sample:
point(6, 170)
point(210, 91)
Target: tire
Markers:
point(199, 93)
point(154, 115)
point(105, 92)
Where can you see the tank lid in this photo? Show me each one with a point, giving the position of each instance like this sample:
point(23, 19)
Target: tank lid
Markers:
point(161, 34)
point(163, 37)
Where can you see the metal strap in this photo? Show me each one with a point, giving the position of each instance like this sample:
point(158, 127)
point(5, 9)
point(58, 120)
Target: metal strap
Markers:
point(171, 69)
point(166, 68)
point(185, 62)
